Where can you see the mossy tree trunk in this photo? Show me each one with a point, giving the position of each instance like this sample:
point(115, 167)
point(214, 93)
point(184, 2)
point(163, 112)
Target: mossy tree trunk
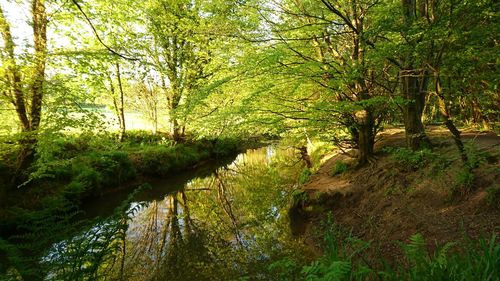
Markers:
point(414, 80)
point(414, 90)
point(27, 101)
point(448, 121)
point(119, 105)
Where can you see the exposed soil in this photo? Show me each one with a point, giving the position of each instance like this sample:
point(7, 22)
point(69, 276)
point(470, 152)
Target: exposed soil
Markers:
point(386, 202)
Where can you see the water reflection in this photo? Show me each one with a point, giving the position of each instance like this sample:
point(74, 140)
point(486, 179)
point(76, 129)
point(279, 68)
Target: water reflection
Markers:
point(226, 226)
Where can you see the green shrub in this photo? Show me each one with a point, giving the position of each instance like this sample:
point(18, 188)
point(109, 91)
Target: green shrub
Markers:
point(478, 260)
point(299, 197)
point(284, 269)
point(344, 260)
point(493, 196)
point(475, 156)
point(338, 262)
point(93, 172)
point(142, 137)
point(161, 160)
point(339, 168)
point(464, 181)
point(115, 167)
point(225, 147)
point(153, 160)
point(411, 159)
point(68, 147)
point(305, 175)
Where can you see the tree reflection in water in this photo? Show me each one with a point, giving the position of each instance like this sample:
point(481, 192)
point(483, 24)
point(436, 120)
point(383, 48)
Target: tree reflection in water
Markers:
point(228, 226)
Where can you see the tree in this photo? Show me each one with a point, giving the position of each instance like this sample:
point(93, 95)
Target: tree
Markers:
point(180, 53)
point(414, 74)
point(330, 48)
point(25, 91)
point(118, 101)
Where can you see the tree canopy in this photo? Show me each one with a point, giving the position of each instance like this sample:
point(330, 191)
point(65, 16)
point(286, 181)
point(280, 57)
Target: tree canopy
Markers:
point(337, 70)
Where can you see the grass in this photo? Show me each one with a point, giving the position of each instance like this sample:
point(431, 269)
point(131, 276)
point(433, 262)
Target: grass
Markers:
point(409, 159)
point(70, 168)
point(493, 196)
point(339, 168)
point(79, 166)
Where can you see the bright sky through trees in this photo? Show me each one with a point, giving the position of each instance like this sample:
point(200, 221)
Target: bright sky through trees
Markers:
point(18, 13)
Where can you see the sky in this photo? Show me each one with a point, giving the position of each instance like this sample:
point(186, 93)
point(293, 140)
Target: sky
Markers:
point(18, 15)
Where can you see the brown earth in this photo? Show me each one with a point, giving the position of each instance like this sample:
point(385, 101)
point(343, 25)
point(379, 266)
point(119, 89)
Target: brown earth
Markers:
point(386, 202)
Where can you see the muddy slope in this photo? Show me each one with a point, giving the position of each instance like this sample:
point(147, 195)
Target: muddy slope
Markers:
point(388, 201)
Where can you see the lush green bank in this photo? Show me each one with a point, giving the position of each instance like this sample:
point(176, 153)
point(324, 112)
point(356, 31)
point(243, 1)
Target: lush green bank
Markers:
point(75, 167)
point(45, 206)
point(69, 169)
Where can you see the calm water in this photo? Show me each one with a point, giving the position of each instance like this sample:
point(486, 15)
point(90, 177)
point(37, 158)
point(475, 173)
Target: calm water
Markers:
point(229, 223)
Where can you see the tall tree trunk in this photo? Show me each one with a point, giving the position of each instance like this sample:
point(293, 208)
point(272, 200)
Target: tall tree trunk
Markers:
point(366, 135)
point(155, 120)
point(120, 105)
point(12, 75)
point(40, 40)
point(364, 119)
point(414, 87)
point(414, 82)
point(29, 119)
point(175, 129)
point(445, 112)
point(173, 102)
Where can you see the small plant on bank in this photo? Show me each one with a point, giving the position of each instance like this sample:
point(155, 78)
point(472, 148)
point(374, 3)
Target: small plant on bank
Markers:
point(493, 196)
point(344, 260)
point(464, 181)
point(410, 159)
point(299, 197)
point(305, 176)
point(340, 167)
point(475, 156)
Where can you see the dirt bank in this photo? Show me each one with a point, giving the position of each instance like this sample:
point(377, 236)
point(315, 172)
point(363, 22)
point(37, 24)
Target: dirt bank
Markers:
point(387, 201)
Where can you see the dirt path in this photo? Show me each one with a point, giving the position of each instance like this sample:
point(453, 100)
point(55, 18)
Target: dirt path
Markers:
point(322, 181)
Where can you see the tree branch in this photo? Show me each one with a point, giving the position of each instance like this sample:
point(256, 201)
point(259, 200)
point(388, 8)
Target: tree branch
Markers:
point(97, 34)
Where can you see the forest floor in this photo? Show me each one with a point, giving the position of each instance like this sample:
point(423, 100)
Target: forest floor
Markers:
point(388, 201)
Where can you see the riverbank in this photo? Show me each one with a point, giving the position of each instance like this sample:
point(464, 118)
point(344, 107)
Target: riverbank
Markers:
point(405, 196)
point(251, 220)
point(70, 169)
point(187, 227)
point(73, 174)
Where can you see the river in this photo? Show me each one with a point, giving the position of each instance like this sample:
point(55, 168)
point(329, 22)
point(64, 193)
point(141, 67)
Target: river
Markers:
point(226, 223)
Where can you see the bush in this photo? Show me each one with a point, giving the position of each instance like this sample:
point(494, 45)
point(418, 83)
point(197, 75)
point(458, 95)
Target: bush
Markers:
point(411, 159)
point(92, 173)
point(161, 160)
point(87, 164)
point(305, 176)
point(339, 168)
point(225, 147)
point(493, 196)
point(464, 181)
point(142, 137)
point(344, 260)
point(299, 197)
point(475, 156)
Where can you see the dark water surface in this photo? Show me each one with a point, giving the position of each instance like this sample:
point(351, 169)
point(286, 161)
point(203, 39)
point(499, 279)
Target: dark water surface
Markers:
point(106, 204)
point(226, 223)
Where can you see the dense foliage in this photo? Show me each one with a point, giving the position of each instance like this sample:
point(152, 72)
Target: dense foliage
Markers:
point(97, 95)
